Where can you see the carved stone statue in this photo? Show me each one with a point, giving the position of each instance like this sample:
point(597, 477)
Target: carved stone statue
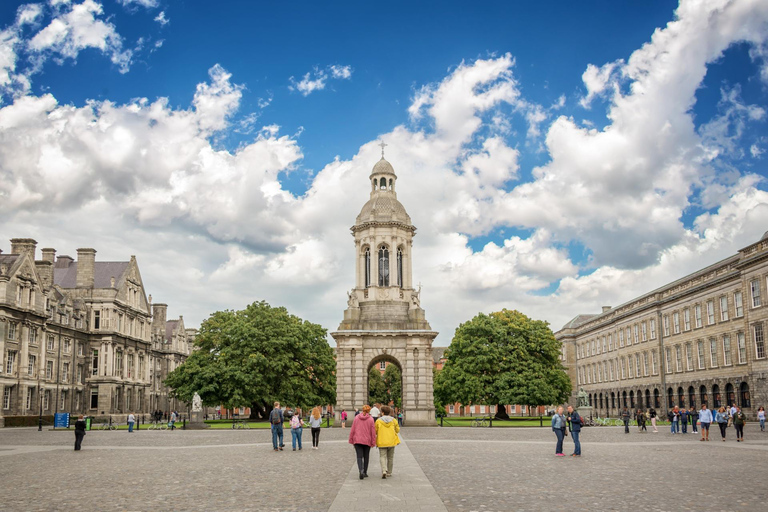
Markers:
point(197, 403)
point(583, 398)
point(415, 298)
point(352, 299)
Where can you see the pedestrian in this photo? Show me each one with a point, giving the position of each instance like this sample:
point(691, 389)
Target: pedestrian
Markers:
point(276, 420)
point(387, 429)
point(761, 418)
point(400, 417)
point(343, 418)
point(705, 416)
point(131, 421)
point(652, 413)
point(641, 421)
point(674, 420)
point(558, 427)
point(732, 410)
point(693, 414)
point(722, 421)
point(738, 423)
point(362, 436)
point(174, 418)
point(375, 412)
point(574, 424)
point(79, 432)
point(684, 420)
point(357, 411)
point(625, 417)
point(296, 429)
point(315, 421)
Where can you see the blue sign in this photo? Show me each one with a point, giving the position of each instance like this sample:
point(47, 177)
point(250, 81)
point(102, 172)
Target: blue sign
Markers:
point(61, 420)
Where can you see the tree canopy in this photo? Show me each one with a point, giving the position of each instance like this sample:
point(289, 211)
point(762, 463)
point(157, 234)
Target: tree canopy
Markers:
point(393, 380)
point(503, 358)
point(256, 356)
point(377, 390)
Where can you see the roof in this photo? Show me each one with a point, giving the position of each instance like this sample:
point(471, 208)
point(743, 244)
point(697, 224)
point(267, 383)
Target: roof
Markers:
point(578, 320)
point(383, 206)
point(438, 353)
point(9, 259)
point(170, 326)
point(103, 272)
point(383, 167)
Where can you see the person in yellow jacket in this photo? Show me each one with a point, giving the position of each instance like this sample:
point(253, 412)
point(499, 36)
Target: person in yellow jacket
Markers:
point(387, 429)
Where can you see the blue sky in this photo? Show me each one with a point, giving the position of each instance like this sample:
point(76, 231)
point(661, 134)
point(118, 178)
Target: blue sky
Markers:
point(546, 148)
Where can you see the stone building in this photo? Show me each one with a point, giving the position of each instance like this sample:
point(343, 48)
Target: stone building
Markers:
point(384, 320)
point(700, 339)
point(77, 336)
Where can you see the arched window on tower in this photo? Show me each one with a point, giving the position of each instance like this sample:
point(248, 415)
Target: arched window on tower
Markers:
point(367, 269)
point(400, 267)
point(390, 184)
point(383, 184)
point(383, 265)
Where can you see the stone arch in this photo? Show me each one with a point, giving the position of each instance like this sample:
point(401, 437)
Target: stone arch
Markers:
point(383, 357)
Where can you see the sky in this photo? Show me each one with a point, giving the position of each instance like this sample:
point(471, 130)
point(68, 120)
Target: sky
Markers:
point(555, 157)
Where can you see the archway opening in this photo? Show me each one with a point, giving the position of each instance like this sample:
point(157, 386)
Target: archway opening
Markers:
point(730, 396)
point(746, 402)
point(703, 395)
point(385, 382)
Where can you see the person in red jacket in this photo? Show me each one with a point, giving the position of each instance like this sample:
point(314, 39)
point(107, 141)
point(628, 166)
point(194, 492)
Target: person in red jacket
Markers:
point(363, 436)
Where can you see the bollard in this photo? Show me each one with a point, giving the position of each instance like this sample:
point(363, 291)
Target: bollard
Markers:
point(328, 420)
point(110, 422)
point(441, 421)
point(541, 421)
point(138, 423)
point(490, 422)
point(184, 424)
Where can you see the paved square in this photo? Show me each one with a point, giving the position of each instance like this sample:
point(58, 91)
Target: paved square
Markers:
point(455, 469)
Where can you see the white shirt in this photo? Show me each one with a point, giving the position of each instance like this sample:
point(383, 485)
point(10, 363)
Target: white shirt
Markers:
point(131, 418)
point(375, 413)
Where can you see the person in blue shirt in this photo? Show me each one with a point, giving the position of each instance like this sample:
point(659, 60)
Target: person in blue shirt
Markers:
point(705, 418)
point(574, 423)
point(558, 427)
point(684, 420)
point(721, 417)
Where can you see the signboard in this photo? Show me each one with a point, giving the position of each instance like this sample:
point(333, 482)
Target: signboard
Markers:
point(88, 423)
point(61, 420)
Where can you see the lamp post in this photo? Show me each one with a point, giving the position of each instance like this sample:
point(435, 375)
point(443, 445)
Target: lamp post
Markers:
point(40, 416)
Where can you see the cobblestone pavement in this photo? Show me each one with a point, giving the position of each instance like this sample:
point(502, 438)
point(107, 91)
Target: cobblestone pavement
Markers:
point(470, 469)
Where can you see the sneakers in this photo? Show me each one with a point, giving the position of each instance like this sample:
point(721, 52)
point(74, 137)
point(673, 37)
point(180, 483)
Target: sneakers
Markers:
point(361, 476)
point(383, 476)
point(389, 475)
point(559, 455)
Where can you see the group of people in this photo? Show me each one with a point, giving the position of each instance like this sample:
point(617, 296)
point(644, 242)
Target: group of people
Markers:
point(573, 423)
point(375, 426)
point(277, 417)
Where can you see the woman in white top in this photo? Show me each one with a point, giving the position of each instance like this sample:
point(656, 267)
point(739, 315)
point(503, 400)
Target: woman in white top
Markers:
point(315, 420)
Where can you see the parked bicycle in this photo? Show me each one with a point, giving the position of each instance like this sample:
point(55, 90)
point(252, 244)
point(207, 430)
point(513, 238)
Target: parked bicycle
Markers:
point(240, 425)
point(158, 425)
point(108, 426)
point(478, 422)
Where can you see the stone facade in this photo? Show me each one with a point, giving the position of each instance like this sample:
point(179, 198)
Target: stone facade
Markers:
point(700, 339)
point(78, 336)
point(384, 320)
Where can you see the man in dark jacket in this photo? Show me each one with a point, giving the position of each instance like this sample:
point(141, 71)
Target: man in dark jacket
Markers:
point(79, 432)
point(625, 417)
point(574, 425)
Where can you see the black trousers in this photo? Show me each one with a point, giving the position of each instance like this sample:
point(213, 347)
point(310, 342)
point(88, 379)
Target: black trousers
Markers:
point(739, 431)
point(363, 452)
point(79, 434)
point(315, 436)
point(722, 426)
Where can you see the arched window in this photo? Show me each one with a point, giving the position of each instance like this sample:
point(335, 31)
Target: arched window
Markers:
point(703, 395)
point(400, 267)
point(648, 398)
point(716, 398)
point(670, 398)
point(383, 265)
point(746, 403)
point(613, 400)
point(390, 184)
point(691, 397)
point(624, 397)
point(383, 184)
point(680, 397)
point(601, 400)
point(639, 398)
point(590, 399)
point(730, 396)
point(631, 399)
point(656, 398)
point(367, 267)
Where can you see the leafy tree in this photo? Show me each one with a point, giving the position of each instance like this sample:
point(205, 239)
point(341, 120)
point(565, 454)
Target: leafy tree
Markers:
point(503, 358)
point(393, 381)
point(377, 390)
point(256, 356)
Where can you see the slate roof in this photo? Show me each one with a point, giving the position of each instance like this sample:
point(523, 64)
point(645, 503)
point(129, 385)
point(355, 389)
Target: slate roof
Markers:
point(438, 353)
point(103, 271)
point(170, 325)
point(577, 321)
point(8, 259)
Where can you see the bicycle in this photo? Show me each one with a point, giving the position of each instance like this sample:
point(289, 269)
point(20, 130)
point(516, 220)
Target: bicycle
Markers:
point(602, 422)
point(158, 425)
point(108, 426)
point(478, 422)
point(240, 425)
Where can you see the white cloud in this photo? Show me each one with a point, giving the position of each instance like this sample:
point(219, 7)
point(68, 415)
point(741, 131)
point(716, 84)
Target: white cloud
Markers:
point(161, 19)
point(341, 72)
point(143, 3)
point(600, 80)
point(317, 79)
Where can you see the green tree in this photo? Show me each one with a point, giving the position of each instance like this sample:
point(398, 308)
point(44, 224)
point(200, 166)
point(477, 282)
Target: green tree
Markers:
point(393, 381)
point(256, 356)
point(503, 358)
point(377, 390)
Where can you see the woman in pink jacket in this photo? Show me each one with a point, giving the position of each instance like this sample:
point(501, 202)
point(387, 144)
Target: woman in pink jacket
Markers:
point(363, 436)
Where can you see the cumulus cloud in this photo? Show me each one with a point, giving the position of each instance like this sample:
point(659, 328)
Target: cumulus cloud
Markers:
point(162, 19)
point(317, 79)
point(599, 80)
point(143, 3)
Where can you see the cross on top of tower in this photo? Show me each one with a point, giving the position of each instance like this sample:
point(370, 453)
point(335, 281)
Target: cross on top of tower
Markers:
point(382, 145)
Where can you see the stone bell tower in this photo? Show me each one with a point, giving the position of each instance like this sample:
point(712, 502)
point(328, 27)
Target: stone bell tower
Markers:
point(384, 320)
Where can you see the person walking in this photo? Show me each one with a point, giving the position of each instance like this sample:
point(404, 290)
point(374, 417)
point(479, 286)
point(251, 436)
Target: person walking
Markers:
point(558, 427)
point(641, 421)
point(296, 430)
point(625, 417)
point(400, 417)
point(761, 418)
point(574, 424)
point(705, 417)
point(343, 418)
point(684, 420)
point(315, 422)
point(674, 420)
point(362, 436)
point(387, 429)
point(721, 417)
point(652, 414)
point(79, 432)
point(173, 420)
point(375, 412)
point(276, 420)
point(693, 414)
point(739, 419)
point(131, 421)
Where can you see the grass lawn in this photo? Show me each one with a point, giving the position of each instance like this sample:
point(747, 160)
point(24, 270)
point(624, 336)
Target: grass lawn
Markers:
point(464, 421)
point(227, 424)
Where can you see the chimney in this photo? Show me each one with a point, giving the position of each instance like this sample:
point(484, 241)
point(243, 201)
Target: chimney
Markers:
point(23, 246)
point(49, 254)
point(45, 269)
point(159, 314)
point(64, 261)
point(86, 260)
point(606, 308)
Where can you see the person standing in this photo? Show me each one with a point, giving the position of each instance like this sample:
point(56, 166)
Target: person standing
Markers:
point(641, 421)
point(131, 421)
point(652, 414)
point(375, 412)
point(761, 418)
point(296, 430)
point(400, 417)
point(722, 421)
point(738, 423)
point(315, 422)
point(558, 427)
point(79, 432)
point(684, 420)
point(693, 414)
point(362, 436)
point(674, 420)
point(575, 422)
point(276, 420)
point(174, 418)
point(387, 429)
point(343, 418)
point(625, 417)
point(705, 417)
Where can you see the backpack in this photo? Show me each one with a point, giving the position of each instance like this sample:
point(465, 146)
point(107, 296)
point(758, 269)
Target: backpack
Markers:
point(275, 417)
point(295, 422)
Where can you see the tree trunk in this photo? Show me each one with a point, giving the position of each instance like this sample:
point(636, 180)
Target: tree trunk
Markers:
point(501, 412)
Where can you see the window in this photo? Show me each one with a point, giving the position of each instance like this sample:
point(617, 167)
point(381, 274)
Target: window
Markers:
point(623, 369)
point(713, 352)
point(97, 320)
point(482, 409)
point(383, 365)
point(738, 304)
point(637, 334)
point(610, 367)
point(94, 399)
point(9, 361)
point(723, 308)
point(628, 336)
point(629, 367)
point(621, 338)
point(653, 328)
point(33, 335)
point(400, 267)
point(727, 350)
point(754, 287)
point(78, 394)
point(65, 372)
point(757, 331)
point(688, 357)
point(593, 347)
point(605, 345)
point(741, 346)
point(7, 397)
point(31, 360)
point(11, 330)
point(654, 363)
point(63, 400)
point(79, 377)
point(131, 363)
point(645, 363)
point(141, 367)
point(676, 322)
point(80, 349)
point(451, 409)
point(637, 365)
point(687, 319)
point(47, 400)
point(67, 345)
point(668, 358)
point(700, 350)
point(383, 266)
point(697, 314)
point(610, 342)
point(95, 362)
point(710, 312)
point(51, 343)
point(119, 362)
point(645, 331)
point(28, 404)
point(49, 369)
point(666, 325)
point(678, 358)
